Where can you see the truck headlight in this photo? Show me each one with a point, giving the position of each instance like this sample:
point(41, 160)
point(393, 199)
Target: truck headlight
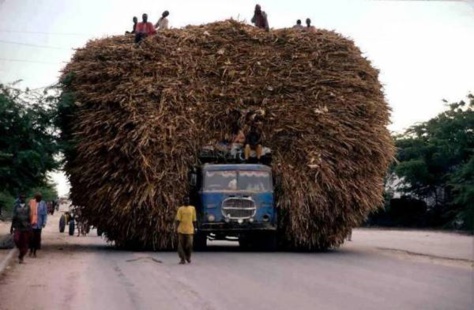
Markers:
point(266, 217)
point(211, 218)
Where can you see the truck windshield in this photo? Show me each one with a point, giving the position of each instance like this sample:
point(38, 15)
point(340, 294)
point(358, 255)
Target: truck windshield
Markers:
point(249, 181)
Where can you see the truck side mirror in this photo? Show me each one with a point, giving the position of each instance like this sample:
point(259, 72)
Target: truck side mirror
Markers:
point(193, 179)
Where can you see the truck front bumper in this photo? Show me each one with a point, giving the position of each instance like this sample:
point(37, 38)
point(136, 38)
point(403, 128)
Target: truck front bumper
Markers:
point(236, 227)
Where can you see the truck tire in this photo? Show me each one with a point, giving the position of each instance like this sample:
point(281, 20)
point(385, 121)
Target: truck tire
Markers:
point(200, 242)
point(263, 241)
point(72, 227)
point(62, 223)
point(269, 242)
point(246, 242)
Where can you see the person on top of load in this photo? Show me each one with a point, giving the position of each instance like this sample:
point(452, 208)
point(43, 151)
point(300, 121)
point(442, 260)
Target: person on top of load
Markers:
point(309, 27)
point(144, 29)
point(237, 141)
point(162, 23)
point(135, 21)
point(298, 25)
point(260, 18)
point(253, 141)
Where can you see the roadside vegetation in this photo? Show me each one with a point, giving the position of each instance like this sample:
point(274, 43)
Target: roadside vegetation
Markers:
point(433, 173)
point(28, 143)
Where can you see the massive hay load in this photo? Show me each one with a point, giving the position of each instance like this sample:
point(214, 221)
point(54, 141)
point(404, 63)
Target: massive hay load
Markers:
point(141, 113)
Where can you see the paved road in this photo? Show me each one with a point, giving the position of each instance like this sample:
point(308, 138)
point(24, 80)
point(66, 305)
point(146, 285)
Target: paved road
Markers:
point(85, 273)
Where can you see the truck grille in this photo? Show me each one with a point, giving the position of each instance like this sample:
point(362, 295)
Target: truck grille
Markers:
point(238, 208)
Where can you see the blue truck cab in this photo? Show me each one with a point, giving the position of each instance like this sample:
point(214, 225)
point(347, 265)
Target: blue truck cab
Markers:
point(235, 202)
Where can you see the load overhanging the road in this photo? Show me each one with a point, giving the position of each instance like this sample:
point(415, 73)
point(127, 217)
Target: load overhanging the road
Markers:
point(135, 118)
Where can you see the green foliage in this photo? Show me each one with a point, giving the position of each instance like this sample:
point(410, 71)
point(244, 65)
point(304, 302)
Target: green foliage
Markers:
point(6, 204)
point(48, 191)
point(28, 139)
point(65, 120)
point(435, 161)
point(463, 188)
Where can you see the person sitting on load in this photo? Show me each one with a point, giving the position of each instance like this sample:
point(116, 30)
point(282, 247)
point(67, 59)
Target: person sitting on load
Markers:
point(298, 25)
point(309, 28)
point(163, 23)
point(144, 29)
point(253, 141)
point(135, 22)
point(238, 136)
point(235, 141)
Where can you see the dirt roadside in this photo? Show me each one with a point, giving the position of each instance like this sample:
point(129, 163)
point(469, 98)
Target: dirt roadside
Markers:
point(4, 235)
point(50, 234)
point(445, 248)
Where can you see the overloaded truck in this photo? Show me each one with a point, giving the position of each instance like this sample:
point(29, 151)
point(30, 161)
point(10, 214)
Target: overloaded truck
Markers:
point(234, 200)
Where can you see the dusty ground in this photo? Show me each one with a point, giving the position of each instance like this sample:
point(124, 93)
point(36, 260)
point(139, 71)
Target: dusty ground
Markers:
point(4, 233)
point(441, 248)
point(379, 269)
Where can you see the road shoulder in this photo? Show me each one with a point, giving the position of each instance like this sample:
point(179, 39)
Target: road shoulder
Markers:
point(445, 248)
point(7, 249)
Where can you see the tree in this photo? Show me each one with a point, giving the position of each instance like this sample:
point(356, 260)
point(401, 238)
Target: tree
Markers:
point(463, 188)
point(435, 162)
point(48, 191)
point(28, 140)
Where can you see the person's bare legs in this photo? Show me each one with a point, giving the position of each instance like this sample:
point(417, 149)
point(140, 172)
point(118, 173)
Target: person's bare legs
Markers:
point(181, 250)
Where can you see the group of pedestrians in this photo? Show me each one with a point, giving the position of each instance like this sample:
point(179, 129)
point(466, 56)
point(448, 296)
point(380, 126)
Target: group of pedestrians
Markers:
point(27, 223)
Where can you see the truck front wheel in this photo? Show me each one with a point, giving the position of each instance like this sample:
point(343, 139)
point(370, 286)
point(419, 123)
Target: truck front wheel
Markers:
point(200, 241)
point(261, 241)
point(245, 243)
point(269, 241)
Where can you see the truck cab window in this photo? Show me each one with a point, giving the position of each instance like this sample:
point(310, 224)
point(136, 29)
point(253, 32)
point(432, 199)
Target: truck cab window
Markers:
point(254, 181)
point(220, 180)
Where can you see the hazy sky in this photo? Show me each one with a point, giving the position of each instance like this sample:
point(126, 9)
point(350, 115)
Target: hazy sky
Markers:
point(424, 49)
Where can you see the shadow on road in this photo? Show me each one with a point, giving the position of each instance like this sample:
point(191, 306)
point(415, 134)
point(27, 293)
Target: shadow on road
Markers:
point(77, 247)
point(91, 244)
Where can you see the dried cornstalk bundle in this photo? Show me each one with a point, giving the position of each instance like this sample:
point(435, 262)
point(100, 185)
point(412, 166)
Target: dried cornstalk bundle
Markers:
point(141, 113)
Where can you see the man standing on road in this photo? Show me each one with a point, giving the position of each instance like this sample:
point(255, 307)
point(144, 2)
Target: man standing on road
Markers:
point(21, 226)
point(185, 217)
point(39, 216)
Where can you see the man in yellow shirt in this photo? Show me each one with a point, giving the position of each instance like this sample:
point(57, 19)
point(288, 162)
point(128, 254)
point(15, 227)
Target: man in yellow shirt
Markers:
point(186, 217)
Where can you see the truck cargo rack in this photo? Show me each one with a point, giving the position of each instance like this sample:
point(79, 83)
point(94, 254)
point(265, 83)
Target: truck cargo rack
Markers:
point(224, 154)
